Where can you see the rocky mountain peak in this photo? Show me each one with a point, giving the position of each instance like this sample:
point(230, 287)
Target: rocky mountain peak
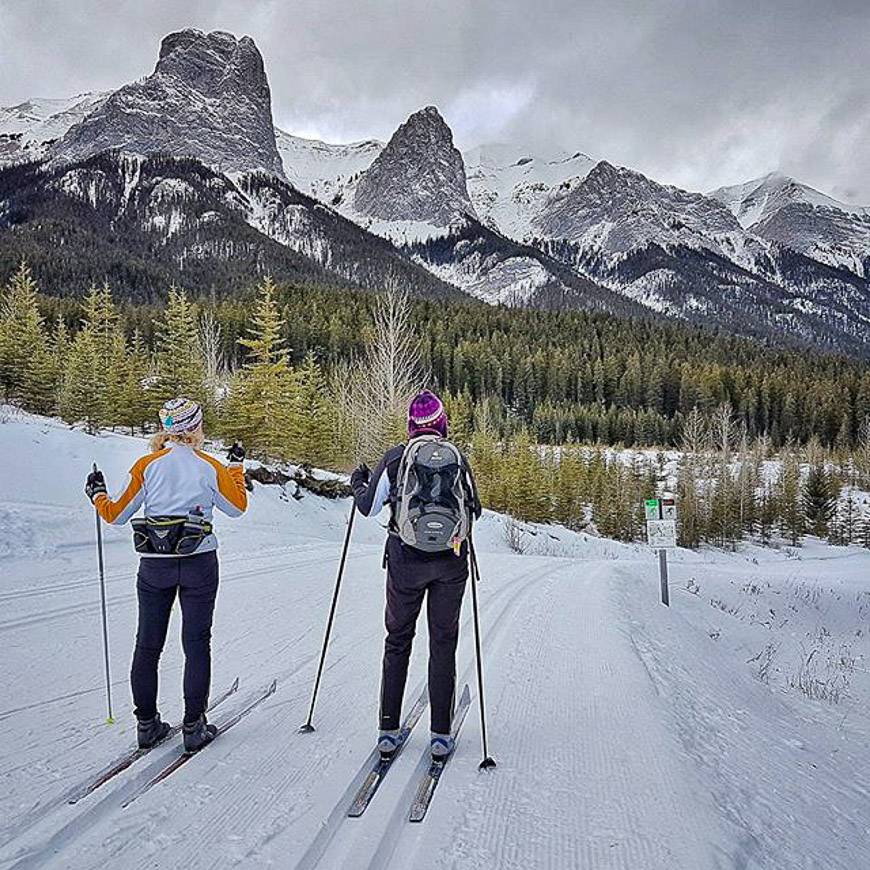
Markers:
point(622, 208)
point(419, 176)
point(208, 98)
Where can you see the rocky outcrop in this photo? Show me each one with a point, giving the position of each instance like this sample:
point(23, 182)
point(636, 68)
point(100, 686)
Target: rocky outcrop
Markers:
point(419, 176)
point(208, 98)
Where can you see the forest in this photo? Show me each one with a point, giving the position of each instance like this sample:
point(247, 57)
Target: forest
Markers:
point(568, 417)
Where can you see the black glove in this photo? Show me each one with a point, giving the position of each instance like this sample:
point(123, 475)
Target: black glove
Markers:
point(95, 484)
point(360, 475)
point(236, 453)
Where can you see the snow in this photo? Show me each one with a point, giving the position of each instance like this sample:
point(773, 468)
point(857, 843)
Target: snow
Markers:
point(729, 730)
point(510, 186)
point(40, 121)
point(512, 281)
point(754, 200)
point(320, 169)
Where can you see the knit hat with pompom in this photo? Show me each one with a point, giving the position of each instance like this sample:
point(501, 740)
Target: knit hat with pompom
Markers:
point(426, 414)
point(180, 415)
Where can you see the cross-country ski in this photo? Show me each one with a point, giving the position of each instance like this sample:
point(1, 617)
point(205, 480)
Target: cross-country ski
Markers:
point(221, 728)
point(381, 765)
point(429, 781)
point(130, 758)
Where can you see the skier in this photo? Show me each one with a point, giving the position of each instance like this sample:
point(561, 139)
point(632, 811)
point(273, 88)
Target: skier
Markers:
point(429, 486)
point(179, 486)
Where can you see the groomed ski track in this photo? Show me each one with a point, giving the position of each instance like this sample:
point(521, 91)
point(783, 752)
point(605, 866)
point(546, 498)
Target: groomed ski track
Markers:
point(589, 773)
point(628, 736)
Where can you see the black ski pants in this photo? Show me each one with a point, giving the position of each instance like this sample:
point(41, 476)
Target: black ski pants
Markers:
point(405, 592)
point(195, 580)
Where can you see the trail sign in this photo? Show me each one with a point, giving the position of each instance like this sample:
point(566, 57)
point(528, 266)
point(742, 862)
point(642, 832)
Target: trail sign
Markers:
point(661, 535)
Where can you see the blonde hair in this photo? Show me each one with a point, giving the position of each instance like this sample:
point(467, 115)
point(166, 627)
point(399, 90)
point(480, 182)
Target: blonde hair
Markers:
point(193, 439)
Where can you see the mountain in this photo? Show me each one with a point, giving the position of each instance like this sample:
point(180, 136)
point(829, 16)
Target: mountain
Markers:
point(320, 169)
point(686, 255)
point(783, 210)
point(146, 223)
point(509, 185)
point(28, 129)
point(772, 259)
point(499, 270)
point(418, 178)
point(208, 98)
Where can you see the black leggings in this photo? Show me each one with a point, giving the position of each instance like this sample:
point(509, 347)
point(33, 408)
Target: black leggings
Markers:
point(443, 605)
point(196, 580)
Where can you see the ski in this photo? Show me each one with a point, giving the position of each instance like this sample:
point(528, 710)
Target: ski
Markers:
point(432, 776)
point(134, 755)
point(379, 769)
point(182, 759)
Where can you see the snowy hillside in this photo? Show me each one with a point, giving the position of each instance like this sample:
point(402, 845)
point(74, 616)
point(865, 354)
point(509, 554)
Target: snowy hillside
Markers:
point(727, 731)
point(755, 200)
point(509, 186)
point(27, 130)
point(783, 210)
point(320, 169)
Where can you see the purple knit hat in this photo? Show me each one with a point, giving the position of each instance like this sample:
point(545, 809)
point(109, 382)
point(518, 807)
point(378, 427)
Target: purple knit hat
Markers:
point(426, 414)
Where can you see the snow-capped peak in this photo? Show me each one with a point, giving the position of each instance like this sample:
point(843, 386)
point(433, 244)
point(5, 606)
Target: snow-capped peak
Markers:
point(29, 127)
point(754, 201)
point(510, 184)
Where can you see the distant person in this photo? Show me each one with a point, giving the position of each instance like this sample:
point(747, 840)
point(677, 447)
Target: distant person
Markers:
point(178, 486)
point(433, 499)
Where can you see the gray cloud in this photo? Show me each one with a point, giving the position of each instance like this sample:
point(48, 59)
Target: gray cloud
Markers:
point(692, 92)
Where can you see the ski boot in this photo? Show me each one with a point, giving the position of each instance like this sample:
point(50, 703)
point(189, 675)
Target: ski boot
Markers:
point(198, 734)
point(441, 746)
point(388, 743)
point(149, 732)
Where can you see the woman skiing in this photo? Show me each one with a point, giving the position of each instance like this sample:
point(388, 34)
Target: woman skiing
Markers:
point(178, 485)
point(432, 497)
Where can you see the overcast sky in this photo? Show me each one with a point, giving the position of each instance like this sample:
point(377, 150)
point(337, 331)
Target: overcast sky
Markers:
point(697, 93)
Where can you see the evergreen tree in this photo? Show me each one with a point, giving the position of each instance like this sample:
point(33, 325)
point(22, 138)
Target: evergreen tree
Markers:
point(788, 497)
point(23, 345)
point(819, 498)
point(261, 406)
point(313, 417)
point(90, 388)
point(180, 364)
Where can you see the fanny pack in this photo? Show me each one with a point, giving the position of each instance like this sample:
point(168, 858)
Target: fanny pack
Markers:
point(169, 536)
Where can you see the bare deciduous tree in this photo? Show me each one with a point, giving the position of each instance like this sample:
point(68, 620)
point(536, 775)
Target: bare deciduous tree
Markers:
point(373, 393)
point(214, 360)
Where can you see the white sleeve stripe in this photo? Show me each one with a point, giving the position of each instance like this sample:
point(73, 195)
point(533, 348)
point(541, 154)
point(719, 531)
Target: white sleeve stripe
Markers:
point(382, 494)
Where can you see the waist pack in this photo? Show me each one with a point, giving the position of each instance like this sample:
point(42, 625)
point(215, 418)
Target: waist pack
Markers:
point(169, 536)
point(432, 507)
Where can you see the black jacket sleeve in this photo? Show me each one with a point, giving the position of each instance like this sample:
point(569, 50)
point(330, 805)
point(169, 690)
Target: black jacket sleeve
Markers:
point(476, 507)
point(364, 491)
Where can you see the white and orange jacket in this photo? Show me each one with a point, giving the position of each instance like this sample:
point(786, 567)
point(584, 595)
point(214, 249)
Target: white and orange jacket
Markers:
point(176, 481)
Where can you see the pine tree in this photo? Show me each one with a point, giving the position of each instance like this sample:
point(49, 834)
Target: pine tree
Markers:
point(261, 406)
point(819, 499)
point(313, 418)
point(135, 402)
point(180, 366)
point(788, 497)
point(90, 388)
point(23, 344)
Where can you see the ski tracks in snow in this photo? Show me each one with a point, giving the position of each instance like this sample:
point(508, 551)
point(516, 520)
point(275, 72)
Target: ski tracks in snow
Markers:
point(589, 774)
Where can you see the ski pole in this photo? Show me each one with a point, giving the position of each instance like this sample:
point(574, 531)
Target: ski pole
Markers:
point(110, 719)
point(307, 728)
point(487, 762)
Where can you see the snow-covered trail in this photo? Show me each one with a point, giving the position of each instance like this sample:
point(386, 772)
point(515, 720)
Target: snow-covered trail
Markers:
point(627, 735)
